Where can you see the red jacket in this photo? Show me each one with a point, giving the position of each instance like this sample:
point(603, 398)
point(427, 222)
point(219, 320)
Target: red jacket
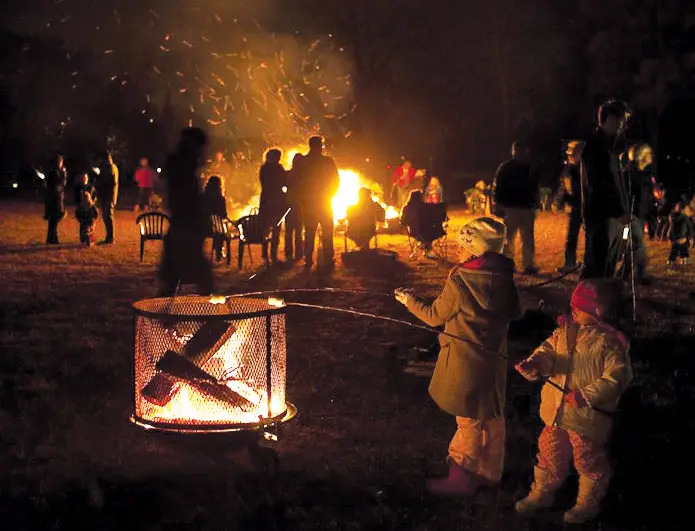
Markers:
point(145, 177)
point(399, 176)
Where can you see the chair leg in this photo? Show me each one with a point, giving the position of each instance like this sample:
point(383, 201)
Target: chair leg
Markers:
point(142, 248)
point(240, 258)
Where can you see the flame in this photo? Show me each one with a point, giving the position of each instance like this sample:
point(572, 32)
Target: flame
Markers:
point(392, 212)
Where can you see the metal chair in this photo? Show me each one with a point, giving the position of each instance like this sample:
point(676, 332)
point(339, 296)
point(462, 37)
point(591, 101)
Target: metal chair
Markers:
point(252, 231)
point(153, 226)
point(222, 228)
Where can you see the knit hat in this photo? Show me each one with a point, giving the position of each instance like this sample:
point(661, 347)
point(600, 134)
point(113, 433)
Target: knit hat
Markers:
point(598, 297)
point(482, 235)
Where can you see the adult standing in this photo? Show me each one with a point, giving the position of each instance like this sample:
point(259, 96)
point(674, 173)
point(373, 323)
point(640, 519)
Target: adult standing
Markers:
point(146, 178)
point(516, 192)
point(640, 179)
point(321, 183)
point(604, 197)
point(294, 245)
point(107, 194)
point(571, 195)
point(401, 183)
point(184, 261)
point(273, 203)
point(54, 212)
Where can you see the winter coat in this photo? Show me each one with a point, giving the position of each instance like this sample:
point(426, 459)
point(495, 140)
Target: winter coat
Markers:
point(86, 210)
point(56, 180)
point(603, 191)
point(273, 203)
point(516, 186)
point(215, 205)
point(320, 182)
point(146, 177)
point(294, 183)
point(478, 302)
point(402, 178)
point(107, 185)
point(682, 228)
point(599, 367)
point(641, 189)
point(184, 195)
point(362, 219)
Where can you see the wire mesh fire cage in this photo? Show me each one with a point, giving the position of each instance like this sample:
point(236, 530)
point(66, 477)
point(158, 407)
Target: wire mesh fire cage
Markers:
point(204, 368)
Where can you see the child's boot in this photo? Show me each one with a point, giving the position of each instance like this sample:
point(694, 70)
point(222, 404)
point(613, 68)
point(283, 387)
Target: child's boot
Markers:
point(588, 500)
point(459, 482)
point(542, 493)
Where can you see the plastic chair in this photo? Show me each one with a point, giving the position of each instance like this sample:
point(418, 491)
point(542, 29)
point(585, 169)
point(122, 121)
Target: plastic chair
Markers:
point(251, 232)
point(153, 226)
point(222, 228)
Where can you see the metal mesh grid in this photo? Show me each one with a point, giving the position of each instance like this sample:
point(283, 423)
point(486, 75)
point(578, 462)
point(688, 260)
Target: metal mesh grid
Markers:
point(204, 364)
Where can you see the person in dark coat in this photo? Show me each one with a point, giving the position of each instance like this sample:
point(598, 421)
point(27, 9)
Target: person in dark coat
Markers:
point(294, 244)
point(516, 192)
point(362, 219)
point(86, 211)
point(639, 178)
point(184, 261)
point(107, 194)
point(682, 234)
point(605, 201)
point(659, 211)
point(54, 211)
point(273, 204)
point(321, 183)
point(215, 204)
point(570, 194)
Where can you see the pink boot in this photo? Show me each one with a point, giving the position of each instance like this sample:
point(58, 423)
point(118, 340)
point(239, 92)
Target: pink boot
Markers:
point(459, 482)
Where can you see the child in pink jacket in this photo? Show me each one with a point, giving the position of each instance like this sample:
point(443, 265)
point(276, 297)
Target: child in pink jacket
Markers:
point(589, 360)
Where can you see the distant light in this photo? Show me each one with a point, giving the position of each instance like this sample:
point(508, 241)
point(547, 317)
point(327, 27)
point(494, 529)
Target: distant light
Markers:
point(367, 159)
point(159, 170)
point(284, 189)
point(151, 120)
point(15, 185)
point(96, 170)
point(40, 175)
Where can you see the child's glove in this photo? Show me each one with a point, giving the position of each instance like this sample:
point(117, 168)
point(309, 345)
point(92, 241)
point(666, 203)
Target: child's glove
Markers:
point(403, 295)
point(576, 399)
point(529, 369)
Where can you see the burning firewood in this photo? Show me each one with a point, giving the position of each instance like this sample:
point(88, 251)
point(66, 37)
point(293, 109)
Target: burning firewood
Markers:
point(197, 351)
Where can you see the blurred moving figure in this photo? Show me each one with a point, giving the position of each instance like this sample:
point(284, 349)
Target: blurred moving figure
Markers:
point(362, 219)
point(294, 224)
point(273, 203)
point(215, 204)
point(146, 178)
point(570, 194)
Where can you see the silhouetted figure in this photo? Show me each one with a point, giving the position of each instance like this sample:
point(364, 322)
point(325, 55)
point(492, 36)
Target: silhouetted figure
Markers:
point(362, 219)
point(107, 194)
point(273, 199)
point(86, 212)
point(571, 194)
point(682, 234)
point(639, 178)
point(146, 178)
point(516, 191)
point(605, 202)
point(659, 211)
point(183, 261)
point(215, 204)
point(54, 211)
point(294, 243)
point(321, 183)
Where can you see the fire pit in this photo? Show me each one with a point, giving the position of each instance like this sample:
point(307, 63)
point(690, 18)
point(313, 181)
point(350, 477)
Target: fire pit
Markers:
point(203, 368)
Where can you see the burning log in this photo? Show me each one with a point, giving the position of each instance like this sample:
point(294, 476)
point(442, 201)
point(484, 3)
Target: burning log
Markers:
point(197, 351)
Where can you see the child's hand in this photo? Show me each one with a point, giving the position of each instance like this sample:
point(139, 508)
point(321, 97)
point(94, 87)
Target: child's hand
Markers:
point(576, 399)
point(529, 369)
point(403, 295)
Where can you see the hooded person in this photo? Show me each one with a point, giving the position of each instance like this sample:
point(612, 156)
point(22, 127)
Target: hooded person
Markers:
point(588, 359)
point(477, 303)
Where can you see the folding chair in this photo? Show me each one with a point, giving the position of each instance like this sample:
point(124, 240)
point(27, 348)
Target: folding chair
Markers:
point(430, 231)
point(222, 228)
point(153, 226)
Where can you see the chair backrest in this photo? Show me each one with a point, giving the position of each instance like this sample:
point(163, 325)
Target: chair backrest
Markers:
point(251, 229)
point(431, 217)
point(219, 226)
point(153, 224)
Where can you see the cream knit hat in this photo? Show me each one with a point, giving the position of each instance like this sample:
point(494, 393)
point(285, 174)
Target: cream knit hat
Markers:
point(482, 235)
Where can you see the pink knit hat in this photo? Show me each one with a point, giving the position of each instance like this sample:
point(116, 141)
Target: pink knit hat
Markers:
point(585, 298)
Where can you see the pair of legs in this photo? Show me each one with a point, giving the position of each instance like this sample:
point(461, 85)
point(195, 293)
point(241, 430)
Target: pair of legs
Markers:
point(602, 247)
point(679, 250)
point(573, 228)
point(184, 262)
point(87, 231)
point(274, 243)
point(107, 215)
point(52, 235)
point(144, 198)
point(294, 245)
point(312, 219)
point(522, 221)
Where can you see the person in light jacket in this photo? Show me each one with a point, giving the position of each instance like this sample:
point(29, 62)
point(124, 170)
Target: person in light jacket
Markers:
point(589, 360)
point(476, 306)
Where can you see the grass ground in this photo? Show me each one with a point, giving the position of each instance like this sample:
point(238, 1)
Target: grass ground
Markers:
point(366, 434)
